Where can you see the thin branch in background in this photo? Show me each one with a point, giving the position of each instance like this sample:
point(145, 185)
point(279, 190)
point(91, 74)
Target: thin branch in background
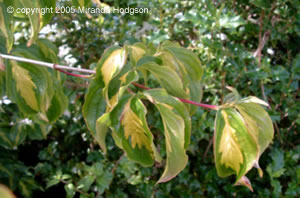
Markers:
point(208, 147)
point(76, 85)
point(261, 43)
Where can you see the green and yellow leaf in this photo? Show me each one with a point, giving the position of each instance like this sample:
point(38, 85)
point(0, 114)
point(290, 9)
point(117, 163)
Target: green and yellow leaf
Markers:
point(6, 192)
point(174, 134)
point(25, 85)
point(137, 140)
point(235, 149)
point(6, 26)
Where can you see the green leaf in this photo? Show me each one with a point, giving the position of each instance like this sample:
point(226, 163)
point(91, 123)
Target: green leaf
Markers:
point(94, 105)
point(258, 123)
point(161, 96)
point(167, 77)
point(183, 60)
point(70, 189)
point(137, 139)
point(104, 181)
point(118, 86)
point(187, 65)
point(231, 21)
point(30, 87)
point(235, 149)
point(86, 182)
point(174, 134)
point(47, 16)
point(37, 91)
point(6, 26)
point(81, 3)
point(109, 119)
point(276, 168)
point(110, 64)
point(34, 19)
point(136, 52)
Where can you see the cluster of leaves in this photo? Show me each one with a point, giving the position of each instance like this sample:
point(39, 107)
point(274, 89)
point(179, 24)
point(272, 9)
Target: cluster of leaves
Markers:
point(224, 35)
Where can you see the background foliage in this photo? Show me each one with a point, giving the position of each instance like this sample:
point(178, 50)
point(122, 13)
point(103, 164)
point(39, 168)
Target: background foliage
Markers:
point(250, 45)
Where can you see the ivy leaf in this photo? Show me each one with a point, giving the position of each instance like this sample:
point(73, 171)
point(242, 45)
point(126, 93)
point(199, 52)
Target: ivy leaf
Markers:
point(86, 182)
point(235, 149)
point(137, 139)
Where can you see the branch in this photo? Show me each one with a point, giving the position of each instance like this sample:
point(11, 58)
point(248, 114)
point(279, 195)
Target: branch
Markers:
point(206, 106)
point(61, 68)
point(45, 64)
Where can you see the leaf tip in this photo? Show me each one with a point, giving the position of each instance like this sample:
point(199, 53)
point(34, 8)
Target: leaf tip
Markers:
point(244, 181)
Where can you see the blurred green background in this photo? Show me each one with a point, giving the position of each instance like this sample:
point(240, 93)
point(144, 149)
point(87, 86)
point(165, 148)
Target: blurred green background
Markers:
point(252, 45)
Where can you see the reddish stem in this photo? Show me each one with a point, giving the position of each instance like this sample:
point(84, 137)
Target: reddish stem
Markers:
point(140, 86)
point(69, 73)
point(206, 106)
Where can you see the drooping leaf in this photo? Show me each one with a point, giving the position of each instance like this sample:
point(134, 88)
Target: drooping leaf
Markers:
point(137, 139)
point(37, 91)
point(231, 154)
point(187, 66)
point(25, 86)
point(161, 96)
point(167, 77)
point(174, 134)
point(30, 87)
point(186, 61)
point(110, 119)
point(235, 149)
point(110, 65)
point(118, 86)
point(259, 125)
point(94, 105)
